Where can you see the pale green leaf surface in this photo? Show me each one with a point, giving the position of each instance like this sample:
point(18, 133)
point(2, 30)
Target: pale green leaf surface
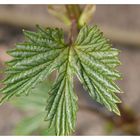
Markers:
point(36, 100)
point(35, 103)
point(29, 125)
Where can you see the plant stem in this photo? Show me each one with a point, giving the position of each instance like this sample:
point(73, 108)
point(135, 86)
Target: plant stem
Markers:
point(73, 32)
point(74, 13)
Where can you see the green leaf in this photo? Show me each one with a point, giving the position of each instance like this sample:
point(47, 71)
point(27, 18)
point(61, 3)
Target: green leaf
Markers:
point(29, 125)
point(33, 123)
point(62, 104)
point(94, 63)
point(41, 53)
point(49, 132)
point(36, 100)
point(91, 57)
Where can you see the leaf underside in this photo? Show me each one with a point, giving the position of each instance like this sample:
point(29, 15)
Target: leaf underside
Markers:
point(91, 58)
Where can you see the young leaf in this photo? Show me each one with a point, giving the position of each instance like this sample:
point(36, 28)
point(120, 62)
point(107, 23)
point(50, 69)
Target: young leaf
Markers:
point(62, 104)
point(34, 60)
point(91, 58)
point(95, 62)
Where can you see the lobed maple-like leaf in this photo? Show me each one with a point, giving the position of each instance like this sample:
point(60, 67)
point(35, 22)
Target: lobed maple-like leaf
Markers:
point(91, 58)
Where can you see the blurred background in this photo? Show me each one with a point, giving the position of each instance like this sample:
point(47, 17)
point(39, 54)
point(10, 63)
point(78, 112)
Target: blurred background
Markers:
point(121, 24)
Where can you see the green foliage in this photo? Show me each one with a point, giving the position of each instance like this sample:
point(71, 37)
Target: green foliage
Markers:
point(91, 57)
point(62, 104)
point(36, 100)
point(95, 63)
point(29, 125)
point(34, 60)
point(32, 123)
